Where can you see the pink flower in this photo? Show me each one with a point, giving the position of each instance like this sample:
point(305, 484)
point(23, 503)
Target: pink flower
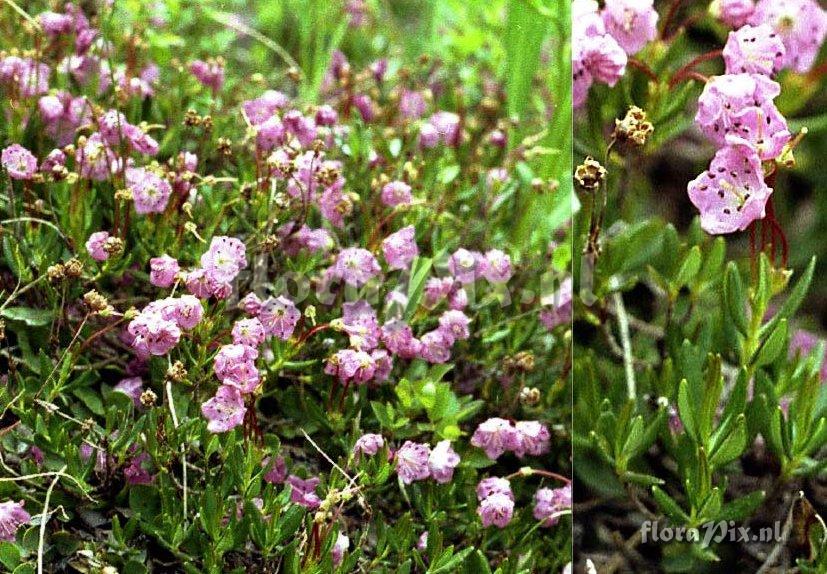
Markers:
point(495, 436)
point(356, 266)
point(802, 25)
point(368, 444)
point(733, 13)
point(496, 510)
point(135, 472)
point(276, 470)
point(248, 332)
point(559, 310)
point(224, 259)
point(96, 244)
point(96, 161)
point(263, 107)
point(428, 136)
point(132, 387)
point(19, 162)
point(351, 366)
point(279, 317)
point(435, 346)
point(442, 462)
point(150, 191)
point(251, 304)
point(185, 310)
point(632, 23)
point(339, 548)
point(494, 485)
point(411, 104)
point(436, 289)
point(548, 504)
point(454, 325)
point(400, 248)
point(326, 115)
point(210, 74)
point(31, 78)
point(398, 337)
point(731, 194)
point(54, 24)
point(53, 162)
point(163, 270)
point(754, 50)
point(153, 334)
point(270, 134)
point(396, 193)
point(412, 462)
point(234, 365)
point(464, 265)
point(366, 107)
point(225, 410)
point(497, 268)
point(447, 127)
point(360, 323)
point(304, 128)
point(739, 108)
point(532, 438)
point(12, 517)
point(303, 492)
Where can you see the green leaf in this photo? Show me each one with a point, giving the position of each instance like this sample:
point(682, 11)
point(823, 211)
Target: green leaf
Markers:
point(420, 269)
point(773, 346)
point(686, 409)
point(9, 555)
point(689, 268)
point(91, 399)
point(669, 507)
point(741, 508)
point(734, 299)
point(732, 446)
point(32, 317)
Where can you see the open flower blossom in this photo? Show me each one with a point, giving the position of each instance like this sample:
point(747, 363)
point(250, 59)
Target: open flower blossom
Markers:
point(549, 503)
point(632, 23)
point(355, 266)
point(736, 108)
point(801, 24)
point(733, 13)
point(96, 244)
point(225, 410)
point(18, 162)
point(596, 55)
point(442, 461)
point(732, 193)
point(532, 438)
point(150, 192)
point(248, 332)
point(210, 74)
point(496, 502)
point(400, 248)
point(368, 444)
point(278, 315)
point(754, 50)
point(132, 387)
point(495, 436)
point(303, 491)
point(412, 462)
point(234, 365)
point(163, 270)
point(351, 366)
point(12, 517)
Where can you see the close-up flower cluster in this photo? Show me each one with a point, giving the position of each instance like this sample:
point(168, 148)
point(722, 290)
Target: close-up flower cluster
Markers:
point(283, 286)
point(699, 409)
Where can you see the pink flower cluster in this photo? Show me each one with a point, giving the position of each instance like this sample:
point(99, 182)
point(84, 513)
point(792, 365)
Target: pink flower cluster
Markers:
point(736, 112)
point(497, 436)
point(550, 503)
point(417, 461)
point(496, 501)
point(220, 264)
point(158, 327)
point(12, 517)
point(557, 308)
point(800, 25)
point(603, 40)
point(18, 162)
